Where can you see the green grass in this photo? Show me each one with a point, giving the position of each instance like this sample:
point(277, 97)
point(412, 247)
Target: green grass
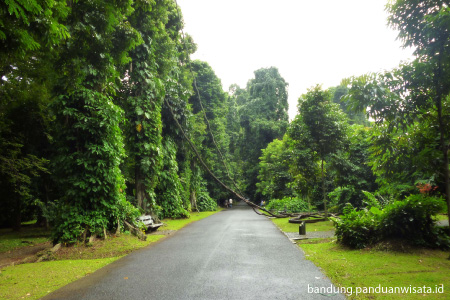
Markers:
point(176, 224)
point(11, 240)
point(111, 247)
point(285, 226)
point(373, 268)
point(33, 281)
point(32, 222)
point(441, 217)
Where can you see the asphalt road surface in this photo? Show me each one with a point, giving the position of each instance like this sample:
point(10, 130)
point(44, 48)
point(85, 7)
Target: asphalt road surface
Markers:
point(234, 254)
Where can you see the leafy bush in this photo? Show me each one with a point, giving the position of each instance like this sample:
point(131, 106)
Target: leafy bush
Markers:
point(205, 202)
point(409, 219)
point(358, 229)
point(292, 205)
point(412, 219)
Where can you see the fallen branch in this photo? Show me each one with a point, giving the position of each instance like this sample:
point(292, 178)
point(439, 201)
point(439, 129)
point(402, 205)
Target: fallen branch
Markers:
point(135, 231)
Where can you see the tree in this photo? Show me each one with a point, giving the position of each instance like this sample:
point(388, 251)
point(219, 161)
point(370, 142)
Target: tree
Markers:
point(29, 26)
point(424, 24)
point(210, 109)
point(415, 93)
point(320, 129)
point(354, 117)
point(274, 170)
point(30, 33)
point(350, 168)
point(263, 118)
point(88, 136)
point(142, 96)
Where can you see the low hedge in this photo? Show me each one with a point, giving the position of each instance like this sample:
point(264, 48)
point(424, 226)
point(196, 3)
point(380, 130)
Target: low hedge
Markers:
point(410, 219)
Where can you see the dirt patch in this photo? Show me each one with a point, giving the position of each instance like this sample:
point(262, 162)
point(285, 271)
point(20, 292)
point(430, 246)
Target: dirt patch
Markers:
point(23, 254)
point(162, 232)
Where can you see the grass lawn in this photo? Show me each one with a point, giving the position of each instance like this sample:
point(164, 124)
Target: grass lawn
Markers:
point(35, 280)
point(175, 224)
point(361, 269)
point(10, 240)
point(441, 217)
point(285, 226)
point(383, 266)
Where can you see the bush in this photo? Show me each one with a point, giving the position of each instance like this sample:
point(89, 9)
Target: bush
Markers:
point(358, 229)
point(205, 202)
point(410, 219)
point(292, 205)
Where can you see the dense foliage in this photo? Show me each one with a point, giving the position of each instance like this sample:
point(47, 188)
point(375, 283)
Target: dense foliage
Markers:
point(85, 140)
point(410, 219)
point(288, 204)
point(90, 90)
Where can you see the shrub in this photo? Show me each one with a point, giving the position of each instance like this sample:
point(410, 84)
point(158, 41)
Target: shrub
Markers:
point(410, 219)
point(293, 205)
point(358, 229)
point(205, 202)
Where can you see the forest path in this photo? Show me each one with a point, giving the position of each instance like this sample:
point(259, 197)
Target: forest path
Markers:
point(234, 254)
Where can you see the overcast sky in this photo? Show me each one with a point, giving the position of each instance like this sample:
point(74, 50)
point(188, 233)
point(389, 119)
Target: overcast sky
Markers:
point(310, 42)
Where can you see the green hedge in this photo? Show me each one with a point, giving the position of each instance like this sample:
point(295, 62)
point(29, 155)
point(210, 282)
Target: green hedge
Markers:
point(293, 205)
point(410, 219)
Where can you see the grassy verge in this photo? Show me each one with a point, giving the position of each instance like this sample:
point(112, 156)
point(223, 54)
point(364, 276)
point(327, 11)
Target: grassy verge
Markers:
point(361, 269)
point(11, 240)
point(35, 280)
point(285, 226)
point(441, 217)
point(383, 266)
point(175, 224)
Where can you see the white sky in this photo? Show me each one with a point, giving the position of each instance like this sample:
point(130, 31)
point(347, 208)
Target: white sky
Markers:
point(309, 41)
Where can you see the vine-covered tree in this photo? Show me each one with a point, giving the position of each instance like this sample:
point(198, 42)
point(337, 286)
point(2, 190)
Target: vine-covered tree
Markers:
point(89, 139)
point(210, 108)
point(142, 96)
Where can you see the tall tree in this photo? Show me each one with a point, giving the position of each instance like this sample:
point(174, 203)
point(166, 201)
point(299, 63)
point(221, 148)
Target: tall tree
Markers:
point(424, 24)
point(415, 93)
point(143, 94)
point(89, 139)
point(320, 128)
point(263, 117)
point(30, 31)
point(350, 168)
point(274, 172)
point(209, 106)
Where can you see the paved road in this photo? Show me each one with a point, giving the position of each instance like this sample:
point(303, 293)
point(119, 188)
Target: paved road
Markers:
point(234, 254)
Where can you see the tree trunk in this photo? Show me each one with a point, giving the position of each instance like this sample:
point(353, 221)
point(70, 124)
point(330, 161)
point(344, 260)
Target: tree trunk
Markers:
point(193, 199)
point(324, 194)
point(442, 129)
point(140, 187)
point(447, 183)
point(444, 147)
point(17, 215)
